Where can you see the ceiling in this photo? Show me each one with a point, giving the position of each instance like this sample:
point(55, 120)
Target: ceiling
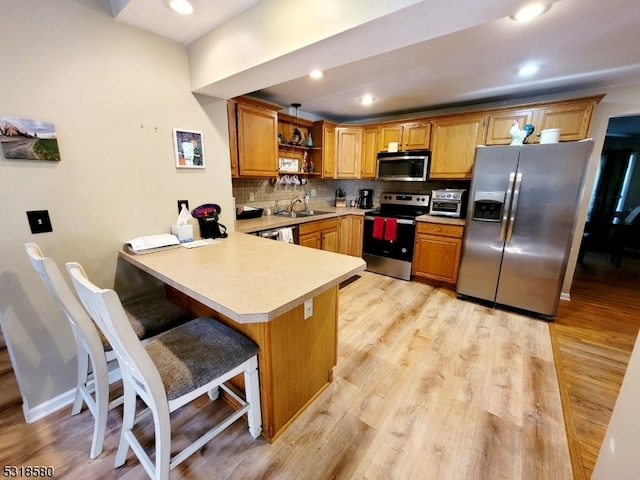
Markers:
point(577, 44)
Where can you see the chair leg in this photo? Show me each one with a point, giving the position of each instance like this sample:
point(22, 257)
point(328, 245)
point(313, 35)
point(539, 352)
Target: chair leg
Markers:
point(101, 381)
point(214, 393)
point(128, 420)
point(252, 392)
point(162, 428)
point(83, 377)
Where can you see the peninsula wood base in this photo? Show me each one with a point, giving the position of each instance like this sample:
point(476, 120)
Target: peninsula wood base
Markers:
point(296, 358)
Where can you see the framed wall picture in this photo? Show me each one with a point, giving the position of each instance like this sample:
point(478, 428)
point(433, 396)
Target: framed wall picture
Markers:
point(189, 149)
point(28, 139)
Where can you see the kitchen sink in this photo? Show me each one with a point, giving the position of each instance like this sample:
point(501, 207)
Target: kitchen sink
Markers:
point(302, 214)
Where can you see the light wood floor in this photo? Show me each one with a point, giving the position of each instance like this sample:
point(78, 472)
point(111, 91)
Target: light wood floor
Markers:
point(426, 387)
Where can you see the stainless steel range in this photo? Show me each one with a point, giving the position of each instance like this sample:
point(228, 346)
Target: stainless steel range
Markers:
point(389, 233)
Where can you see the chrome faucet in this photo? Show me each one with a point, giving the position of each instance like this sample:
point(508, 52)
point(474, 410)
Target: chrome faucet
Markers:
point(294, 201)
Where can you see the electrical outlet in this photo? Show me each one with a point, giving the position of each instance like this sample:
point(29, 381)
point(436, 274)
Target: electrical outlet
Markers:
point(308, 308)
point(313, 192)
point(183, 202)
point(252, 197)
point(39, 221)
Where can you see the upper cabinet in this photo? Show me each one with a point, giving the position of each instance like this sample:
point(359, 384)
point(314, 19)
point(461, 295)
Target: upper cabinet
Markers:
point(408, 136)
point(572, 117)
point(348, 151)
point(324, 136)
point(454, 144)
point(253, 127)
point(500, 124)
point(369, 152)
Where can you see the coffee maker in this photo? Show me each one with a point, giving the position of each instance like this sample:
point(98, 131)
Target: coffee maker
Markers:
point(207, 216)
point(365, 198)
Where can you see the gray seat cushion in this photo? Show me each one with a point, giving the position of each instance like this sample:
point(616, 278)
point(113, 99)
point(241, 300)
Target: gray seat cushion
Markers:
point(197, 352)
point(151, 314)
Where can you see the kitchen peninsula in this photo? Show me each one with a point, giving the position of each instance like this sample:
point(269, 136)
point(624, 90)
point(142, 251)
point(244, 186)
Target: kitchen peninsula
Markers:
point(283, 296)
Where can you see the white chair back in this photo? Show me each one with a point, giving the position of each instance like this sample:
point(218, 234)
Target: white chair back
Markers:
point(83, 327)
point(106, 309)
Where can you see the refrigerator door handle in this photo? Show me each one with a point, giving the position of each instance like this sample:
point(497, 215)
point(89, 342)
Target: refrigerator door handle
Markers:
point(507, 204)
point(514, 207)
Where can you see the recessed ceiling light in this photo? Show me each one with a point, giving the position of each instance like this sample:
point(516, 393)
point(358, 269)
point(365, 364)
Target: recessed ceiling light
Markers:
point(367, 100)
point(316, 74)
point(184, 7)
point(527, 70)
point(530, 11)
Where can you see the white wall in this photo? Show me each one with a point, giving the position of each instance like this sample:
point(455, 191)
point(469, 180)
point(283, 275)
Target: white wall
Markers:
point(114, 94)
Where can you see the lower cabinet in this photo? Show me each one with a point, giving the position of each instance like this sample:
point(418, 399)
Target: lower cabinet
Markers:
point(321, 234)
point(437, 251)
point(350, 235)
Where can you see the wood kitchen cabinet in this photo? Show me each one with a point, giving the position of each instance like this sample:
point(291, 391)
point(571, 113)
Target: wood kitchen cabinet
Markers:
point(253, 127)
point(499, 125)
point(437, 251)
point(453, 145)
point(572, 117)
point(369, 158)
point(324, 136)
point(350, 235)
point(320, 234)
point(410, 136)
point(348, 151)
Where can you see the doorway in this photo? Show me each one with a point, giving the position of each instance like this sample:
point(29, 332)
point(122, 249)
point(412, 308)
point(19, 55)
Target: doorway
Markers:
point(613, 218)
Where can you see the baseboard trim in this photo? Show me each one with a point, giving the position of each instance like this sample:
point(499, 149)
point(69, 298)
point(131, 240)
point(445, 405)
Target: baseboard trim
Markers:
point(50, 406)
point(57, 403)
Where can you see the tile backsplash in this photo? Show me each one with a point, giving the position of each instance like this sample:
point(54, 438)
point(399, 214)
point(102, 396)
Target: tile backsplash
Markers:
point(265, 192)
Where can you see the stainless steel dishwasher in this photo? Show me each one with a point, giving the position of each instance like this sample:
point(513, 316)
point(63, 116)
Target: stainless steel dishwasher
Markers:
point(274, 232)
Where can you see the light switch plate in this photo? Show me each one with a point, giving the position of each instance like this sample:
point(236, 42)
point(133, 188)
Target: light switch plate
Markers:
point(39, 221)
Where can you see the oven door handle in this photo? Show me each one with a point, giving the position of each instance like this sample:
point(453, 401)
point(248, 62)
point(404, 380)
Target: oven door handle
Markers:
point(400, 221)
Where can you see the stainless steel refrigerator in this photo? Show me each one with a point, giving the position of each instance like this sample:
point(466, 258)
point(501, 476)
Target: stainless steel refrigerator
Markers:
point(522, 212)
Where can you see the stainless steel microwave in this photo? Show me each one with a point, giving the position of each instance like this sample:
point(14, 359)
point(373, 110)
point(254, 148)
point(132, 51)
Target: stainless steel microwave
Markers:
point(410, 166)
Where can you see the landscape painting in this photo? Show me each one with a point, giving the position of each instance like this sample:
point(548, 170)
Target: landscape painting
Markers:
point(26, 139)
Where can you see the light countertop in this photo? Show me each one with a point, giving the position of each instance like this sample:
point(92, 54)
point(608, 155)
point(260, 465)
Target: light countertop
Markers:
point(268, 222)
point(440, 219)
point(248, 278)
